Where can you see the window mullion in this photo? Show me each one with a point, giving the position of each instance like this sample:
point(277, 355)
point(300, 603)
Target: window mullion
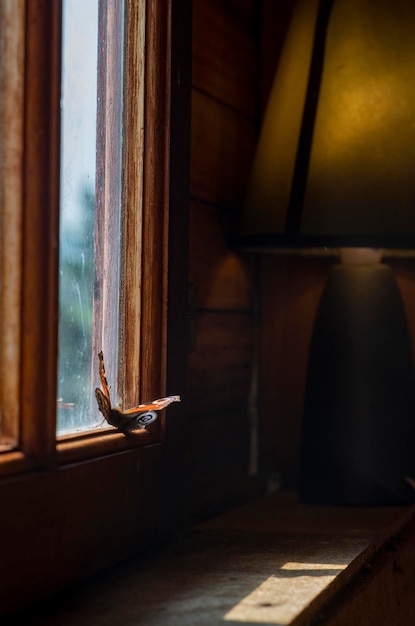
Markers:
point(40, 229)
point(108, 188)
point(132, 211)
point(155, 202)
point(12, 19)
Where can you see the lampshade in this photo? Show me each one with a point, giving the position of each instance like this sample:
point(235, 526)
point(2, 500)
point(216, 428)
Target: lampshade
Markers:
point(336, 154)
point(335, 167)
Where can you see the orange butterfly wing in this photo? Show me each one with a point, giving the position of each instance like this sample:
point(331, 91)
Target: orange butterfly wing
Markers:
point(119, 418)
point(103, 376)
point(156, 405)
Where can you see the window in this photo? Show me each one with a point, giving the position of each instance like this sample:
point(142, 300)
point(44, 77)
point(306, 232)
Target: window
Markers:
point(71, 503)
point(93, 149)
point(79, 149)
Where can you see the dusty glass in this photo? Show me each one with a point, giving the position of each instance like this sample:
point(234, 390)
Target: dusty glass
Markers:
point(83, 275)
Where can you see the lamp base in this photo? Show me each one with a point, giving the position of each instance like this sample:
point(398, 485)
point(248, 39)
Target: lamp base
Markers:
point(358, 435)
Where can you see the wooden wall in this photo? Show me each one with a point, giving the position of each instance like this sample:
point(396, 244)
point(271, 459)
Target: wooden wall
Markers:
point(236, 46)
point(223, 140)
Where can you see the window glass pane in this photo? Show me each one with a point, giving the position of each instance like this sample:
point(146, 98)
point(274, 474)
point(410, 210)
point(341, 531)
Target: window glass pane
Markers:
point(90, 205)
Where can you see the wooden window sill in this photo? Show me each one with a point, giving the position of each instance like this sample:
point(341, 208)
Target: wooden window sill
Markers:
point(274, 561)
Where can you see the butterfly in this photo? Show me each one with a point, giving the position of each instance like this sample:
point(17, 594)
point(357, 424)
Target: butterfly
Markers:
point(131, 419)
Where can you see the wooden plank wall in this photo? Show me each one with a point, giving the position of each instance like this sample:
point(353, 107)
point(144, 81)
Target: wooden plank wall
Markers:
point(223, 140)
point(290, 292)
point(236, 46)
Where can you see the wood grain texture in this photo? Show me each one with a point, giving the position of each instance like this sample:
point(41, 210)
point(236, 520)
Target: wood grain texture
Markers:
point(132, 236)
point(40, 230)
point(178, 224)
point(72, 523)
point(219, 457)
point(222, 145)
point(273, 561)
point(143, 307)
point(222, 151)
point(224, 55)
point(65, 522)
point(291, 289)
point(12, 46)
point(224, 277)
point(154, 256)
point(220, 368)
point(108, 192)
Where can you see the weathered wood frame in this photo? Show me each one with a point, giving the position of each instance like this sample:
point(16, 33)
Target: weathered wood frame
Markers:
point(11, 201)
point(62, 521)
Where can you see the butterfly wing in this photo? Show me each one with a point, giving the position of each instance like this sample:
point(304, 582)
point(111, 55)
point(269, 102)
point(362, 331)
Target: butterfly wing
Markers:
point(131, 419)
point(156, 405)
point(103, 404)
point(144, 414)
point(103, 377)
point(114, 417)
point(142, 420)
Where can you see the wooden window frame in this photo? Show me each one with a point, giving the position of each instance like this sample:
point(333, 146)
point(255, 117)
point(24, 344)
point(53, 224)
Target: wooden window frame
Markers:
point(11, 131)
point(73, 508)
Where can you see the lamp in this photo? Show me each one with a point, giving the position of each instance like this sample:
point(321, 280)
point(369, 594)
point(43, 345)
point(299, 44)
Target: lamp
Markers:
point(335, 169)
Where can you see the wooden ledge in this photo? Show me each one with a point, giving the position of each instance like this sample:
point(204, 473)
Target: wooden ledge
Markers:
point(274, 561)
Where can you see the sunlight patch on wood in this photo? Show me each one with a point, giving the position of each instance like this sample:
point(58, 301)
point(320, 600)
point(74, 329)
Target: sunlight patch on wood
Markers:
point(277, 600)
